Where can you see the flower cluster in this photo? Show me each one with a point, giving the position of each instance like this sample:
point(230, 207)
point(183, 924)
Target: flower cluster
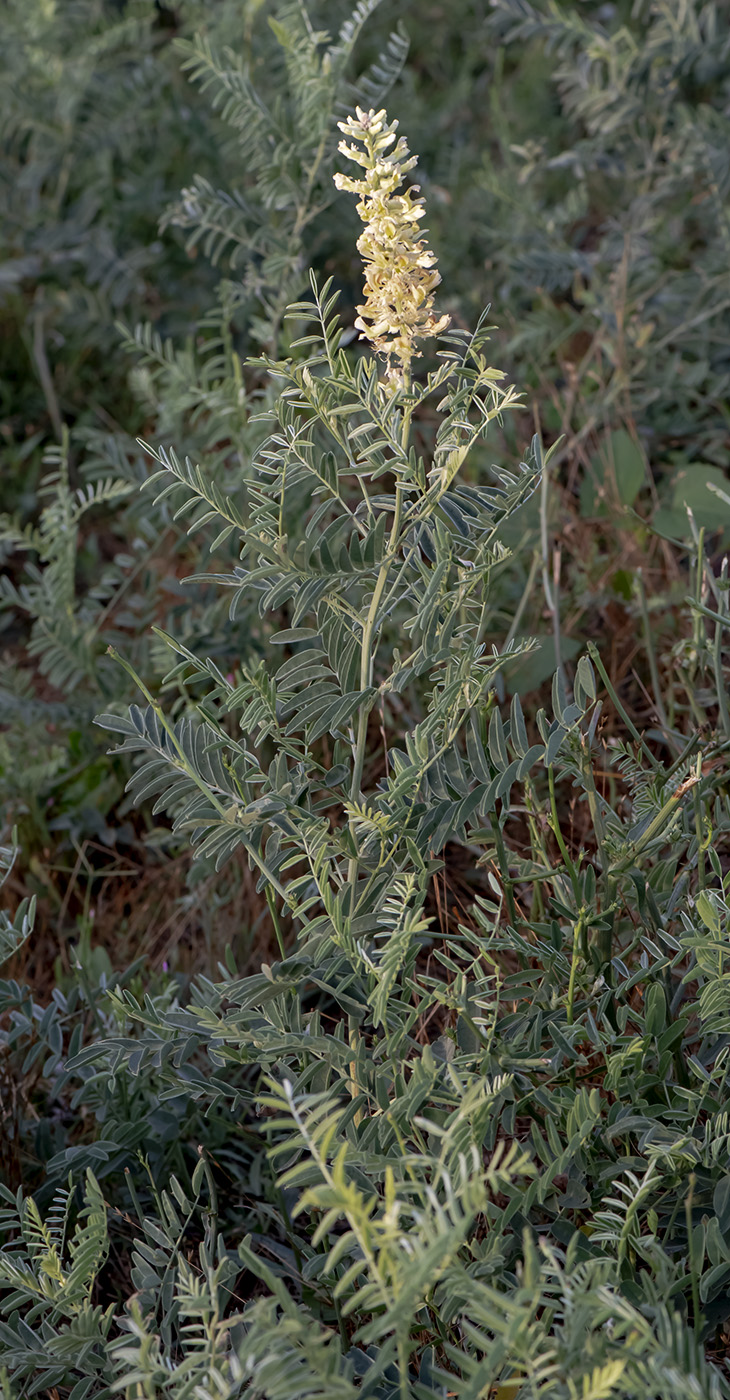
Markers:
point(400, 270)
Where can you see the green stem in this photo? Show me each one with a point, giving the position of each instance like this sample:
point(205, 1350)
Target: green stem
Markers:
point(551, 594)
point(367, 652)
point(686, 754)
point(596, 659)
point(555, 824)
point(690, 1251)
point(656, 826)
point(700, 837)
point(699, 635)
point(275, 919)
point(653, 668)
point(578, 932)
point(526, 595)
point(212, 1211)
point(589, 784)
point(504, 870)
point(717, 653)
point(405, 1388)
point(608, 884)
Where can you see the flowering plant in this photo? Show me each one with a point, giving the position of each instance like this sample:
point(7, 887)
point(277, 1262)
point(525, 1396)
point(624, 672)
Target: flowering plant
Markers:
point(437, 1085)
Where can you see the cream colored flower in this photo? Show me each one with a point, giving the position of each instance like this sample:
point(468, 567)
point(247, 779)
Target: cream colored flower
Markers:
point(400, 270)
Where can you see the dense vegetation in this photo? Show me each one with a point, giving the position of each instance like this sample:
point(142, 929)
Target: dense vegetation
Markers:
point(365, 1012)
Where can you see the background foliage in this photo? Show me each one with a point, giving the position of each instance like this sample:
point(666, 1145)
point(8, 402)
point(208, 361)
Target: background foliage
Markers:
point(412, 1082)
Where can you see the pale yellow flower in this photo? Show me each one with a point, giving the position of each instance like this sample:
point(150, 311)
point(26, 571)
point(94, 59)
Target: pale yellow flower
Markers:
point(400, 270)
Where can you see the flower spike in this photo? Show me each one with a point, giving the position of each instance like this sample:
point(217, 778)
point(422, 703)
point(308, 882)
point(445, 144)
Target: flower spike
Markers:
point(400, 270)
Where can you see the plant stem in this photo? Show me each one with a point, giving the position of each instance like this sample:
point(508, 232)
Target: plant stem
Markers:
point(700, 839)
point(690, 1251)
point(578, 931)
point(405, 1388)
point(653, 668)
point(551, 594)
point(699, 636)
point(596, 659)
point(275, 919)
point(526, 595)
point(504, 869)
point(657, 825)
point(555, 824)
point(717, 652)
point(367, 657)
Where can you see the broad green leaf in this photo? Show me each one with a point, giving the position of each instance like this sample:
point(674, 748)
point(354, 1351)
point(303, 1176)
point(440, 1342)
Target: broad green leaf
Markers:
point(656, 1010)
point(691, 486)
point(529, 672)
point(708, 913)
point(616, 473)
point(721, 1203)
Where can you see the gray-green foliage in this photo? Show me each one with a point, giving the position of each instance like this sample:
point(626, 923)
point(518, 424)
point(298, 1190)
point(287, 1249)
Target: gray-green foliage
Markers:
point(63, 628)
point(277, 102)
point(618, 216)
point(15, 928)
point(416, 561)
point(490, 1153)
point(284, 140)
point(91, 102)
point(468, 1136)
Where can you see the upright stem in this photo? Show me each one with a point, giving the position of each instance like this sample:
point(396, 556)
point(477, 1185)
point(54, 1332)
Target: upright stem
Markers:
point(557, 832)
point(275, 920)
point(367, 657)
point(551, 594)
point(653, 668)
point(688, 1203)
point(699, 634)
point(578, 932)
point(700, 838)
point(504, 871)
point(366, 650)
point(722, 705)
point(526, 595)
point(594, 654)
